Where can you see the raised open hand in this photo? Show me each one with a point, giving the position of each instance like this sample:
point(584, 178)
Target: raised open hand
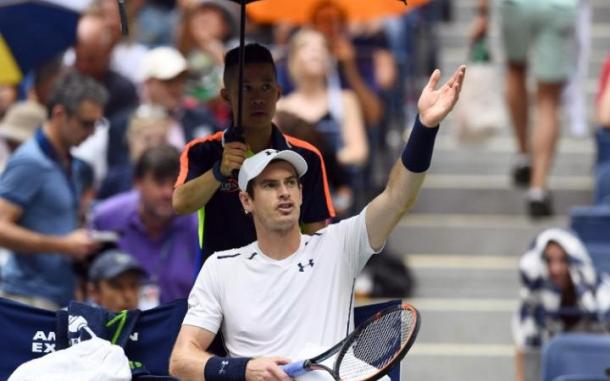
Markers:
point(434, 104)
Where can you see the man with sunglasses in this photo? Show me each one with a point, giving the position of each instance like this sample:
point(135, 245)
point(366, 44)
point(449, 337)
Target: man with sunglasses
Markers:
point(40, 194)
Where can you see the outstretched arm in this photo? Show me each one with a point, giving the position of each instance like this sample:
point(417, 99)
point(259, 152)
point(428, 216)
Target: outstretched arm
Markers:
point(407, 175)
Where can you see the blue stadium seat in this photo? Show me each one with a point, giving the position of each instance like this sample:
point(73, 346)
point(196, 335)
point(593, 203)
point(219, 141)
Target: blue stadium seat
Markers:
point(574, 354)
point(578, 377)
point(601, 190)
point(602, 142)
point(592, 225)
point(600, 255)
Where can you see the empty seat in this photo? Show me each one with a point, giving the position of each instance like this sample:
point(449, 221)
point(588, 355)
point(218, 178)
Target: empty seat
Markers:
point(579, 377)
point(574, 354)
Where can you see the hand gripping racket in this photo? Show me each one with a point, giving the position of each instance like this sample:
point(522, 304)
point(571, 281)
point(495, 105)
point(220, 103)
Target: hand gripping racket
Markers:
point(371, 350)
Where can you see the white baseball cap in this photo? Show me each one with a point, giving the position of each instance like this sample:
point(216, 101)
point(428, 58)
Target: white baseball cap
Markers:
point(254, 165)
point(163, 63)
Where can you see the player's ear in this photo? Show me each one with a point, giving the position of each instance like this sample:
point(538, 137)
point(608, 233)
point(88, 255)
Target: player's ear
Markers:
point(246, 202)
point(224, 94)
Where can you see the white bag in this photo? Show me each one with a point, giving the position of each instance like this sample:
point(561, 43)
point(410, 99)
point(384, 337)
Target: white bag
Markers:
point(89, 360)
point(480, 111)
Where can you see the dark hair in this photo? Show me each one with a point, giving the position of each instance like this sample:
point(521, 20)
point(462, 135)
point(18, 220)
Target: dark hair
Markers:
point(162, 162)
point(72, 88)
point(254, 54)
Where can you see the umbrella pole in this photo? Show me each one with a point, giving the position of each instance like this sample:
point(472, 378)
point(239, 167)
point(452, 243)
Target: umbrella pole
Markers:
point(239, 132)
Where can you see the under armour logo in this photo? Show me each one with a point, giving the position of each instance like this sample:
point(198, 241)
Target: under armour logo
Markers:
point(302, 267)
point(223, 364)
point(270, 152)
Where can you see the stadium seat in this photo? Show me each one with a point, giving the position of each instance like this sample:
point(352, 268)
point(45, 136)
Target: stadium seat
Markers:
point(576, 354)
point(601, 190)
point(602, 142)
point(578, 377)
point(592, 224)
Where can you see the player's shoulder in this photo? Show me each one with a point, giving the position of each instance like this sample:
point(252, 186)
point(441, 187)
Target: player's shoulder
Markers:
point(227, 257)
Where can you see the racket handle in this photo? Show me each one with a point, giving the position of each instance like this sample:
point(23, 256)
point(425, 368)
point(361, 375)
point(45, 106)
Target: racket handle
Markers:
point(295, 369)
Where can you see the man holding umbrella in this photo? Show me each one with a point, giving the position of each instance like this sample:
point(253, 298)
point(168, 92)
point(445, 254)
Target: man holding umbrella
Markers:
point(206, 177)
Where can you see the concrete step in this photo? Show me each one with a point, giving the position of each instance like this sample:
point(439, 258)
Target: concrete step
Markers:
point(487, 328)
point(459, 363)
point(466, 283)
point(464, 11)
point(478, 162)
point(463, 234)
point(492, 195)
point(468, 5)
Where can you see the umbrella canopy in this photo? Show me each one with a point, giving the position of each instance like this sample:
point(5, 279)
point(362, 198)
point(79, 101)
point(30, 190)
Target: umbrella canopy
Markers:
point(32, 32)
point(299, 11)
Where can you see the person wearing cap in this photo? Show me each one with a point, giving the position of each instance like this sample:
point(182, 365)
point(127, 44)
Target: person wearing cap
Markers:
point(288, 290)
point(164, 72)
point(163, 75)
point(18, 125)
point(114, 281)
point(206, 183)
point(40, 195)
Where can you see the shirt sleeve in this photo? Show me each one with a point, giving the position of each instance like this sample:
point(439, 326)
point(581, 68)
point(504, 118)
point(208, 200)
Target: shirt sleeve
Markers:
point(356, 243)
point(20, 181)
point(204, 304)
point(197, 158)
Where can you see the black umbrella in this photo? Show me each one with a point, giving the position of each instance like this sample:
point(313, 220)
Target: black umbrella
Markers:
point(238, 132)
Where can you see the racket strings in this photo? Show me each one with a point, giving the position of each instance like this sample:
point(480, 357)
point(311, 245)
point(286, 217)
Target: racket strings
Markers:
point(377, 345)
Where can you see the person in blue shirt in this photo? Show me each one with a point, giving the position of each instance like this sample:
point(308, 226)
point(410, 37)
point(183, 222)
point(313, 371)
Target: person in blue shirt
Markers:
point(40, 193)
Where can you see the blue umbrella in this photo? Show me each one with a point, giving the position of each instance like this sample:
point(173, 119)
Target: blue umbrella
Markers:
point(33, 32)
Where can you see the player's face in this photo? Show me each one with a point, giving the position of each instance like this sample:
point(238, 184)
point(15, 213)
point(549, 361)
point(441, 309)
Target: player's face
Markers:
point(260, 95)
point(558, 266)
point(277, 197)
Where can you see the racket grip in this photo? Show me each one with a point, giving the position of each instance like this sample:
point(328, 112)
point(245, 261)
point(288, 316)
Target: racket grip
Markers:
point(295, 369)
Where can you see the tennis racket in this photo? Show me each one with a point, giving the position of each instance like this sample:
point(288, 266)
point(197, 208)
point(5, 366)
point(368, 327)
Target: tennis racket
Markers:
point(371, 350)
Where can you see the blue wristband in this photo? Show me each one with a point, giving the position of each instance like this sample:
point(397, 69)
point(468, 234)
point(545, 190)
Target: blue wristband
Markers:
point(225, 368)
point(417, 154)
point(217, 174)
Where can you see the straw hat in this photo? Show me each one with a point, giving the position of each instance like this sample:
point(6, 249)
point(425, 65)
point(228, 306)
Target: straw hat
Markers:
point(21, 121)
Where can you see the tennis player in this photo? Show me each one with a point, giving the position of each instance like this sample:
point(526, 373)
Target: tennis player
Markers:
point(288, 290)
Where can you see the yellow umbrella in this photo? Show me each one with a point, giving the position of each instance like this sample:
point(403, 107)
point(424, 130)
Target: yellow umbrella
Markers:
point(299, 11)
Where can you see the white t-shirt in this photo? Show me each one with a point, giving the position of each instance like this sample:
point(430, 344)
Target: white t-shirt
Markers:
point(276, 307)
